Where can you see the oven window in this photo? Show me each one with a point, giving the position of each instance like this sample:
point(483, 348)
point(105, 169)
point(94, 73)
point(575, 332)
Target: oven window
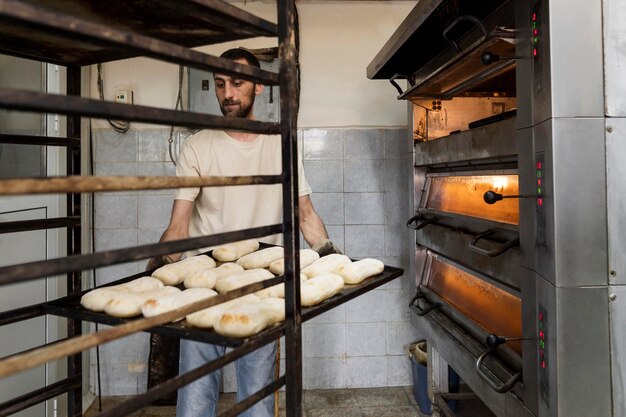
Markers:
point(464, 195)
point(493, 309)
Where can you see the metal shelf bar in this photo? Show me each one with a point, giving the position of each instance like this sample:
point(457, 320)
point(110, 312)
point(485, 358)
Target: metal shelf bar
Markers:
point(73, 105)
point(39, 140)
point(39, 224)
point(85, 184)
point(74, 263)
point(140, 45)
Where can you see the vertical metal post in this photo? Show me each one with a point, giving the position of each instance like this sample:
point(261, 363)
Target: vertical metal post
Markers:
point(74, 362)
point(289, 99)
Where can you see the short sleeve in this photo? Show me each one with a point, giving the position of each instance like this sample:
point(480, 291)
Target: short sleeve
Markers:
point(187, 167)
point(303, 185)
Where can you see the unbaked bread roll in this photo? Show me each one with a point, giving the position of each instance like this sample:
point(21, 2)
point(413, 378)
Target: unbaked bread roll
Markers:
point(261, 258)
point(233, 251)
point(357, 271)
point(206, 278)
point(246, 320)
point(326, 264)
point(307, 257)
point(242, 279)
point(129, 304)
point(160, 305)
point(206, 318)
point(320, 288)
point(277, 291)
point(96, 299)
point(174, 274)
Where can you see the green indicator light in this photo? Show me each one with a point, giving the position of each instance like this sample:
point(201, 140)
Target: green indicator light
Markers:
point(542, 344)
point(538, 190)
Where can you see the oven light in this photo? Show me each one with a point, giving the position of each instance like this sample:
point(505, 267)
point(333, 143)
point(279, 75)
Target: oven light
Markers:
point(499, 183)
point(543, 364)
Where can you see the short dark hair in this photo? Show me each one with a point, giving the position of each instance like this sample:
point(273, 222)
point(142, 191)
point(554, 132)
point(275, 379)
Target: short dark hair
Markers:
point(240, 53)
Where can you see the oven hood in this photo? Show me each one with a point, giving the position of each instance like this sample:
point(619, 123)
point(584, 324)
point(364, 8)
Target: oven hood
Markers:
point(451, 48)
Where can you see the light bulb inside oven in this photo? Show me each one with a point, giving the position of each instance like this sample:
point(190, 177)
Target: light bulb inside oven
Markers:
point(499, 183)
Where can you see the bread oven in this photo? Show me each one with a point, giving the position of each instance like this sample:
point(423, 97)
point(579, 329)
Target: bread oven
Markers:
point(518, 198)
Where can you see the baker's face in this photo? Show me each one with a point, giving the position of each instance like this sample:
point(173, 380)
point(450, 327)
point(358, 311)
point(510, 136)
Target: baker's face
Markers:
point(236, 96)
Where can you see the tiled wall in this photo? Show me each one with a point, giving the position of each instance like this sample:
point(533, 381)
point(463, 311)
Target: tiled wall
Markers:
point(360, 182)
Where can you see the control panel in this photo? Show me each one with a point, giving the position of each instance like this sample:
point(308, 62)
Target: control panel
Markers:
point(536, 46)
point(542, 330)
point(540, 184)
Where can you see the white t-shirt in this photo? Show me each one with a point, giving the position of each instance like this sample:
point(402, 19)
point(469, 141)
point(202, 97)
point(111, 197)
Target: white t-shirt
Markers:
point(230, 208)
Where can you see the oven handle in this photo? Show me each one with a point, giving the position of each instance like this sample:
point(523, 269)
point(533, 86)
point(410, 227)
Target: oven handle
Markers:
point(455, 22)
point(498, 386)
point(393, 82)
point(422, 312)
point(422, 224)
point(490, 253)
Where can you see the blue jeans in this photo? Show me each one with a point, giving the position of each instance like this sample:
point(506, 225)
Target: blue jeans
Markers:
point(254, 371)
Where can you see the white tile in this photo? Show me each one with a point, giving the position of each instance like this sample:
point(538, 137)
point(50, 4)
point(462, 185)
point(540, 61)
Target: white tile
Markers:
point(366, 339)
point(107, 239)
point(364, 143)
point(399, 336)
point(364, 175)
point(399, 371)
point(116, 212)
point(323, 144)
point(154, 211)
point(324, 176)
point(365, 241)
point(116, 379)
point(325, 340)
point(367, 372)
point(335, 315)
point(397, 305)
point(367, 308)
point(329, 206)
point(115, 147)
point(364, 208)
point(121, 351)
point(323, 373)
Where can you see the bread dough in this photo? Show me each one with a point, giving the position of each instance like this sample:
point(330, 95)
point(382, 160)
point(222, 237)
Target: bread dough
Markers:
point(261, 258)
point(96, 299)
point(326, 264)
point(206, 318)
point(206, 278)
point(129, 304)
point(320, 288)
point(155, 306)
point(174, 274)
point(307, 257)
point(233, 251)
point(245, 320)
point(277, 291)
point(242, 279)
point(357, 271)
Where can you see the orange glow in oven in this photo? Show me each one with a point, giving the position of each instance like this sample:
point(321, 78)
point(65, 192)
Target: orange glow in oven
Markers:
point(464, 195)
point(493, 309)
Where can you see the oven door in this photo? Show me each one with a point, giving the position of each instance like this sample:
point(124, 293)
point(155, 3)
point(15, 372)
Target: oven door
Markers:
point(461, 311)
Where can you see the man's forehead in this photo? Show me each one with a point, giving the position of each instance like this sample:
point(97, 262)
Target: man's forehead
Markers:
point(229, 77)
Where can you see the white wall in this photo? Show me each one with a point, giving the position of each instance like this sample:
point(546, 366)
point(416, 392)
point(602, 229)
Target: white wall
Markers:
point(337, 42)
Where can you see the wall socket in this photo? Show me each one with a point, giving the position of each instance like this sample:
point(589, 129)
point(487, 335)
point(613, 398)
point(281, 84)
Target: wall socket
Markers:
point(124, 96)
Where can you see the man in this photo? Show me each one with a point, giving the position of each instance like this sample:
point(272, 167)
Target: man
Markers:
point(212, 210)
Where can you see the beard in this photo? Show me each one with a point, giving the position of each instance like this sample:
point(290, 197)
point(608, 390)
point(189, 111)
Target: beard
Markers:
point(242, 110)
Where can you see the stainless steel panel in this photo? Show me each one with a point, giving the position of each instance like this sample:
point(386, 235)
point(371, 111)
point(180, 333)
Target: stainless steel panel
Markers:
point(570, 83)
point(614, 48)
point(618, 348)
point(616, 198)
point(485, 142)
point(504, 269)
point(577, 352)
point(574, 202)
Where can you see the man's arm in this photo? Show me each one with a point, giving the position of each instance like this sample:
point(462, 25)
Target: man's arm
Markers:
point(176, 230)
point(313, 228)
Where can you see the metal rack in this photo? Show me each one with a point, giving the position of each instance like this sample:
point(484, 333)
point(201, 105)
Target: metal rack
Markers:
point(77, 33)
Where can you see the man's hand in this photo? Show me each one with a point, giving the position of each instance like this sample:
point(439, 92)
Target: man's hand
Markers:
point(158, 262)
point(326, 247)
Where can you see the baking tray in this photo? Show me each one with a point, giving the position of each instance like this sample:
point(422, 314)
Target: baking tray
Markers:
point(70, 307)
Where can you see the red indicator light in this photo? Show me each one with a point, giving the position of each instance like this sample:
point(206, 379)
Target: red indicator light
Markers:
point(539, 165)
point(540, 316)
point(543, 364)
point(540, 201)
point(535, 32)
point(535, 52)
point(541, 334)
point(538, 181)
point(534, 17)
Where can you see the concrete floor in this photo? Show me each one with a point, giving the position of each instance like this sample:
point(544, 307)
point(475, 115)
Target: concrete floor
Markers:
point(364, 402)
